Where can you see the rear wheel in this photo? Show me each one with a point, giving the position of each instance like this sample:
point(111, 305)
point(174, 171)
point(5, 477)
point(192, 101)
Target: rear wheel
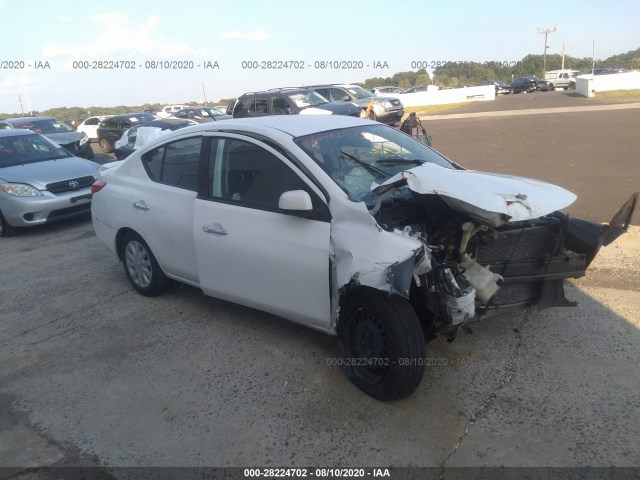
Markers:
point(105, 146)
point(141, 267)
point(382, 345)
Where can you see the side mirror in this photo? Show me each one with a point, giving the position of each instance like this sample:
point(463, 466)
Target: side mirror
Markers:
point(296, 200)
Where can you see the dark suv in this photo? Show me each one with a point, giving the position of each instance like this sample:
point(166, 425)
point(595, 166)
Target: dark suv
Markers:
point(112, 128)
point(289, 101)
point(386, 109)
point(75, 142)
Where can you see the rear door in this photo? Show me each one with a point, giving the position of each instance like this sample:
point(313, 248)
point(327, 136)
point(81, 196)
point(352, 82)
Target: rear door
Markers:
point(248, 250)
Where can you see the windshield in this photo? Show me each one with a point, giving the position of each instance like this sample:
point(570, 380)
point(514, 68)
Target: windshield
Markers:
point(357, 158)
point(212, 112)
point(21, 149)
point(44, 126)
point(360, 92)
point(307, 99)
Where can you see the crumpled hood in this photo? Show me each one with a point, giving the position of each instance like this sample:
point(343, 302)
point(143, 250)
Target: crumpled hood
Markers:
point(491, 198)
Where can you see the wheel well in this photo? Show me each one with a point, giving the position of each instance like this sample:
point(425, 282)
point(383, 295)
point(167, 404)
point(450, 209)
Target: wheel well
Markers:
point(119, 236)
point(352, 288)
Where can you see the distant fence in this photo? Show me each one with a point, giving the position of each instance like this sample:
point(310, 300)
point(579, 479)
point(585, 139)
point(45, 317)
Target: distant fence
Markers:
point(589, 86)
point(433, 96)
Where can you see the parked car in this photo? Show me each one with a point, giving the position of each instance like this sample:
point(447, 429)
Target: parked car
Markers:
point(606, 71)
point(545, 86)
point(201, 114)
point(77, 143)
point(40, 182)
point(386, 109)
point(529, 84)
point(111, 129)
point(501, 87)
point(417, 88)
point(388, 91)
point(290, 101)
point(564, 79)
point(132, 140)
point(169, 110)
point(89, 126)
point(344, 225)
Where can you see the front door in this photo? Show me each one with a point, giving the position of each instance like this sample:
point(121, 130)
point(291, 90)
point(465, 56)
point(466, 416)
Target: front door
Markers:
point(248, 250)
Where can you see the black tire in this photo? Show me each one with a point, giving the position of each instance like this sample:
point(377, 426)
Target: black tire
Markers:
point(6, 230)
point(105, 146)
point(382, 345)
point(551, 88)
point(141, 266)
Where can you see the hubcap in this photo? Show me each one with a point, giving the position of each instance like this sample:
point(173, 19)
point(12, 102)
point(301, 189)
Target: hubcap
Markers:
point(138, 264)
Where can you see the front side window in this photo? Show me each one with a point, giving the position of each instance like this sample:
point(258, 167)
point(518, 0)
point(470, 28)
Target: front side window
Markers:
point(356, 158)
point(245, 173)
point(280, 106)
point(176, 163)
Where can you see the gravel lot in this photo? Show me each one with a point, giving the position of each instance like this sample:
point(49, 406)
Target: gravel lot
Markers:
point(92, 373)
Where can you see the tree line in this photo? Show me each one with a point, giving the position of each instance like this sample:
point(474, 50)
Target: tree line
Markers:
point(476, 73)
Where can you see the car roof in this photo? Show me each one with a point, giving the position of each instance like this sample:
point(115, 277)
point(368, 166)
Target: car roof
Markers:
point(131, 114)
point(26, 119)
point(164, 123)
point(16, 132)
point(293, 125)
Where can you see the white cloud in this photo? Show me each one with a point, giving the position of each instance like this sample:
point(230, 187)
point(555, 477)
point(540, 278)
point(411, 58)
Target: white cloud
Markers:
point(15, 83)
point(120, 37)
point(243, 35)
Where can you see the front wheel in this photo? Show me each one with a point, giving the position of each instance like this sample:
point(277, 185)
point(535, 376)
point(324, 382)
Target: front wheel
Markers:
point(382, 345)
point(6, 230)
point(141, 267)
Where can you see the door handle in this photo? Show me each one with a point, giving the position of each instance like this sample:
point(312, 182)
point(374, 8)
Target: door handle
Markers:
point(141, 205)
point(215, 229)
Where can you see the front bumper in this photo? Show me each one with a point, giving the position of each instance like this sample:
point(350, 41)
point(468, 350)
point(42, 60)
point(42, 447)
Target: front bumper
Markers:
point(30, 211)
point(390, 117)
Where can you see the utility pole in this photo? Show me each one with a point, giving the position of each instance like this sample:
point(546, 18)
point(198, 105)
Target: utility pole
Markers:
point(593, 57)
point(21, 107)
point(546, 31)
point(562, 68)
point(205, 95)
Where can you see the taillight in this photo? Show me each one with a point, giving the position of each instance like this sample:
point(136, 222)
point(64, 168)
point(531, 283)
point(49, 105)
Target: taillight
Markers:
point(97, 186)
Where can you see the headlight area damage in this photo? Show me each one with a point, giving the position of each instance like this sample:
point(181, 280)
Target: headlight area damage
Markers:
point(482, 244)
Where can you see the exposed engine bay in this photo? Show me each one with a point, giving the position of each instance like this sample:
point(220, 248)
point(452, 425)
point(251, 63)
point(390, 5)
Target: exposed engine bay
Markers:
point(470, 270)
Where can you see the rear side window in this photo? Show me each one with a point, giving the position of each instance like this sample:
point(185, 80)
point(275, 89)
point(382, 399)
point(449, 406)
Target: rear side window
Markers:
point(260, 105)
point(176, 163)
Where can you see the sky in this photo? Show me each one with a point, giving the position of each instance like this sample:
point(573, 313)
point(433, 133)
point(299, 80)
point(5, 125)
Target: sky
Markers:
point(47, 45)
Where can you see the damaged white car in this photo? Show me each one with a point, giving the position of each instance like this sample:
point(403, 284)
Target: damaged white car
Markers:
point(345, 225)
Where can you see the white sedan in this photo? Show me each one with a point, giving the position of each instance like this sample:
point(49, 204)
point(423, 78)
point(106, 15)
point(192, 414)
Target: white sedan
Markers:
point(345, 225)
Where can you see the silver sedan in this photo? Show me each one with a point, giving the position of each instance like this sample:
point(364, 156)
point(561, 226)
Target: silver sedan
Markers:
point(40, 181)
